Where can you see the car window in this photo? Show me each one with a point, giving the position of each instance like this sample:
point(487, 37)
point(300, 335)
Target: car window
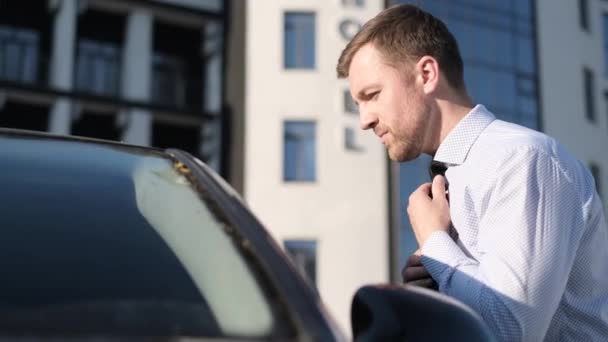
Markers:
point(96, 240)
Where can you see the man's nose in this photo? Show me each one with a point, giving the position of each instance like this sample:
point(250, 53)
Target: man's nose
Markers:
point(367, 119)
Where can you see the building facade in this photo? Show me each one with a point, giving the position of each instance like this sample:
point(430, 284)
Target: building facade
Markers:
point(573, 64)
point(115, 70)
point(316, 181)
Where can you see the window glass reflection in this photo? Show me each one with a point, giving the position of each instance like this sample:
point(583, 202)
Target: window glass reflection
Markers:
point(18, 54)
point(605, 37)
point(299, 41)
point(299, 151)
point(98, 67)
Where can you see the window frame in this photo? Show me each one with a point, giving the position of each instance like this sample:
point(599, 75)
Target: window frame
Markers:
point(300, 174)
point(298, 44)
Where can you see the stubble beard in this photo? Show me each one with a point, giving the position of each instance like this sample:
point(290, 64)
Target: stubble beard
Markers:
point(404, 150)
point(407, 144)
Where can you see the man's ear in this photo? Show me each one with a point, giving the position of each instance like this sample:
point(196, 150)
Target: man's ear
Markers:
point(428, 71)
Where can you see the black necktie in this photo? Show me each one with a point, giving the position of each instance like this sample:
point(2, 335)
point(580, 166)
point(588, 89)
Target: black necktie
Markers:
point(437, 168)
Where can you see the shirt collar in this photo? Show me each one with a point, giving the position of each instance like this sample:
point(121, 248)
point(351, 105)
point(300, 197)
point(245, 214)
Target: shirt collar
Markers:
point(454, 149)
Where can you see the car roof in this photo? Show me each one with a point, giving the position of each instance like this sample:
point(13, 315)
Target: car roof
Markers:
point(13, 133)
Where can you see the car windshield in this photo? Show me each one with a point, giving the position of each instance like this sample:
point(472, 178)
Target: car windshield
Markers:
point(101, 240)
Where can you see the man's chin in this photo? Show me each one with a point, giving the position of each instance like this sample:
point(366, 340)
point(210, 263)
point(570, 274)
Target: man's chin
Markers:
point(402, 156)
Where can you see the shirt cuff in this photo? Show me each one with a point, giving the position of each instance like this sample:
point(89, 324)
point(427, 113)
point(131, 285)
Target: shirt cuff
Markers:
point(439, 254)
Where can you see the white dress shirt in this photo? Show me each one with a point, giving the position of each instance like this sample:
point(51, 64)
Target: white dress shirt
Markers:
point(532, 252)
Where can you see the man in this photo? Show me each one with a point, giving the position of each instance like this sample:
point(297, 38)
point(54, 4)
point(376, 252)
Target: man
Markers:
point(531, 251)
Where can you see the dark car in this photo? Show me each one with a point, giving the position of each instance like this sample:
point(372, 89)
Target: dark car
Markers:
point(105, 241)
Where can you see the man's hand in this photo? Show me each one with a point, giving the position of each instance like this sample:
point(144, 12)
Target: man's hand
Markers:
point(429, 213)
point(415, 274)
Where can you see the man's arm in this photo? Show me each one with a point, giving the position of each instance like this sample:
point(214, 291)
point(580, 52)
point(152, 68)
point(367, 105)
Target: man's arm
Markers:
point(527, 239)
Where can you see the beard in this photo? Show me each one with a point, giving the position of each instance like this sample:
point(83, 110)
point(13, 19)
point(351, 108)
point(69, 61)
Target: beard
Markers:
point(402, 150)
point(409, 137)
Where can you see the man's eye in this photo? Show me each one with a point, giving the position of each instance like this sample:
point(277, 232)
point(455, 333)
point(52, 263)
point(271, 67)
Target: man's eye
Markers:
point(374, 95)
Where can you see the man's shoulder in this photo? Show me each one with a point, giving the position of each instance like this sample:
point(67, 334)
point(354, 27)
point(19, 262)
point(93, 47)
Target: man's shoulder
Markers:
point(506, 144)
point(503, 137)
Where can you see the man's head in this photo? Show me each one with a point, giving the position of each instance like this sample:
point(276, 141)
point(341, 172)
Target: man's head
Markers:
point(397, 64)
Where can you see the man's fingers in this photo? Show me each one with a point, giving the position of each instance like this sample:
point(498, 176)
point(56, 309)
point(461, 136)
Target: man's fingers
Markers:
point(415, 273)
point(424, 189)
point(429, 283)
point(414, 260)
point(438, 187)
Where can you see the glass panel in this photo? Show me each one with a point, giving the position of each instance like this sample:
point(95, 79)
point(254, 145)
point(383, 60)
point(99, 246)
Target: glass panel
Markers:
point(583, 9)
point(522, 8)
point(303, 253)
point(211, 143)
point(299, 41)
point(525, 55)
point(299, 151)
point(213, 81)
point(589, 88)
point(349, 104)
point(98, 67)
point(168, 81)
point(462, 31)
point(353, 3)
point(141, 247)
point(208, 5)
point(18, 54)
point(350, 140)
point(504, 43)
point(605, 38)
point(595, 171)
point(526, 86)
point(505, 89)
point(20, 115)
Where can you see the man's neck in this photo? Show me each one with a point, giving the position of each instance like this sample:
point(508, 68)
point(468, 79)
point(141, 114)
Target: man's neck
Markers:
point(451, 110)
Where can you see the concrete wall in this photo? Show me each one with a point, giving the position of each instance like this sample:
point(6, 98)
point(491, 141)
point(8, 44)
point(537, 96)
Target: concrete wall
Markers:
point(346, 209)
point(564, 49)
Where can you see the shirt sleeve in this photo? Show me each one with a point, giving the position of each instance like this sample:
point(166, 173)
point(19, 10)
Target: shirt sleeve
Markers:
point(527, 240)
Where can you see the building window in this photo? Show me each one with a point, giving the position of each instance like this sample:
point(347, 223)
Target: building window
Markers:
point(354, 3)
point(350, 141)
point(583, 11)
point(303, 253)
point(589, 88)
point(94, 124)
point(98, 68)
point(605, 38)
point(99, 52)
point(299, 152)
point(595, 171)
point(179, 66)
point(18, 54)
point(168, 82)
point(349, 104)
point(171, 135)
point(21, 115)
point(299, 40)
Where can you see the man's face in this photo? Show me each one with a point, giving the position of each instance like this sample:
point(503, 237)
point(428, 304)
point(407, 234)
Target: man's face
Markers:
point(391, 102)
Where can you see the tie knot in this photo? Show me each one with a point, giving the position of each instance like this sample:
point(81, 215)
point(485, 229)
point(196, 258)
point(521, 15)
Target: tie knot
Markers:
point(437, 168)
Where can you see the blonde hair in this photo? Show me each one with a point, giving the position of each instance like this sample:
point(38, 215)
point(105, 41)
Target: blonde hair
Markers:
point(404, 33)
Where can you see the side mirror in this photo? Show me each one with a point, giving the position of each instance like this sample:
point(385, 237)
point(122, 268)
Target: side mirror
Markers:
point(410, 313)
